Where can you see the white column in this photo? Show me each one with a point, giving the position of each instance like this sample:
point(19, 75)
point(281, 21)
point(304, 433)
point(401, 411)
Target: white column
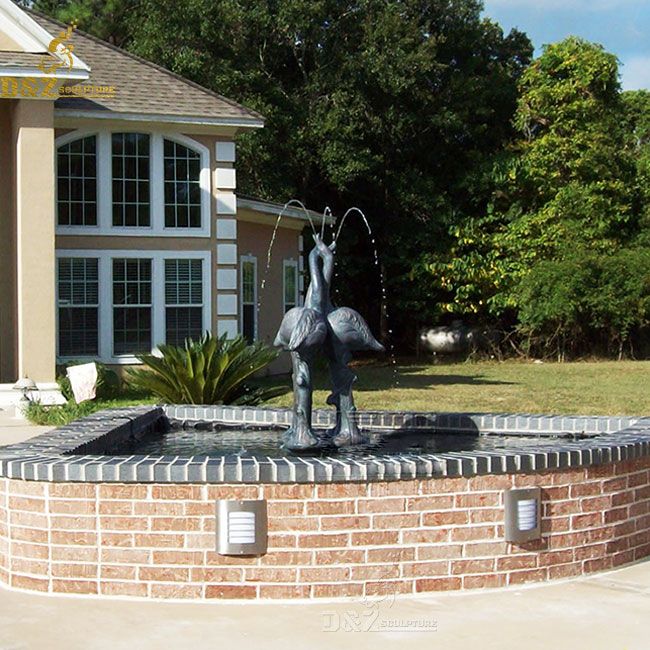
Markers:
point(225, 183)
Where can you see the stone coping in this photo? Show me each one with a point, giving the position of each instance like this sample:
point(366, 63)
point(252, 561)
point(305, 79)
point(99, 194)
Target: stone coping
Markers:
point(82, 451)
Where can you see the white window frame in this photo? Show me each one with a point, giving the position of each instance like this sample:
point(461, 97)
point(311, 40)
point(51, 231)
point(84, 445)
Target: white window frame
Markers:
point(182, 305)
point(59, 306)
point(242, 260)
point(56, 201)
point(158, 321)
point(104, 168)
point(290, 263)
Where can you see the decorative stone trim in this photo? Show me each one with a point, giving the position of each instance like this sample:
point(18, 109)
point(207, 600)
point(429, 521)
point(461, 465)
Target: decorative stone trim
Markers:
point(82, 451)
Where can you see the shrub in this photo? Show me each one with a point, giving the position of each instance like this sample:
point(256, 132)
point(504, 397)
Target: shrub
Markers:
point(208, 371)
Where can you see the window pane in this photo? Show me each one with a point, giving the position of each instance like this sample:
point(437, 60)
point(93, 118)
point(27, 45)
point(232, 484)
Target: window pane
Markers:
point(77, 183)
point(183, 323)
point(131, 175)
point(78, 296)
point(131, 306)
point(182, 188)
point(290, 286)
point(249, 308)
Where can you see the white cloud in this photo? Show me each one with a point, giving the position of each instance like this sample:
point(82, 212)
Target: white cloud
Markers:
point(635, 73)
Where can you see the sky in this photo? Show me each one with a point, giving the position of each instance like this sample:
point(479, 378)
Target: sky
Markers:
point(621, 26)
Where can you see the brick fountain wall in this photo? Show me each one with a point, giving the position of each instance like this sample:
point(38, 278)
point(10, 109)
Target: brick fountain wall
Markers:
point(325, 540)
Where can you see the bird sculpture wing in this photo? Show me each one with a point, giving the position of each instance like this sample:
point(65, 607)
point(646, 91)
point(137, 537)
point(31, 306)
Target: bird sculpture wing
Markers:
point(309, 331)
point(289, 321)
point(351, 330)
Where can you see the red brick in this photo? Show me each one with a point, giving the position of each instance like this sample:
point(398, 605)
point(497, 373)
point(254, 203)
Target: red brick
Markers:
point(512, 562)
point(27, 582)
point(389, 587)
point(284, 591)
point(490, 482)
point(37, 551)
point(116, 539)
point(270, 574)
point(556, 557)
point(176, 591)
point(374, 538)
point(185, 524)
point(116, 507)
point(277, 540)
point(26, 504)
point(596, 504)
point(346, 556)
point(178, 557)
point(478, 500)
point(590, 520)
point(28, 488)
point(336, 522)
point(323, 541)
point(597, 564)
point(74, 570)
point(281, 558)
point(391, 554)
point(296, 491)
point(123, 491)
point(74, 554)
point(461, 567)
point(338, 590)
point(616, 514)
point(375, 572)
point(72, 490)
point(564, 571)
point(387, 522)
point(159, 540)
point(520, 577)
point(29, 566)
point(472, 533)
point(445, 518)
point(484, 581)
point(73, 523)
point(29, 535)
point(443, 485)
point(164, 574)
point(124, 523)
point(283, 524)
point(177, 492)
point(73, 507)
point(388, 504)
point(557, 508)
point(438, 584)
point(425, 569)
point(133, 589)
point(426, 536)
point(124, 556)
point(324, 574)
point(286, 508)
point(216, 574)
point(341, 507)
point(158, 508)
point(230, 591)
point(485, 515)
point(74, 586)
point(440, 552)
point(586, 489)
point(27, 519)
point(590, 552)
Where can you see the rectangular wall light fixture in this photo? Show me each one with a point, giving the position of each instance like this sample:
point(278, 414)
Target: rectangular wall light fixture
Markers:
point(523, 514)
point(241, 527)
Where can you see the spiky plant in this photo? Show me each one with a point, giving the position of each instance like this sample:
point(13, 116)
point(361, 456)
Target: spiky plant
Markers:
point(208, 371)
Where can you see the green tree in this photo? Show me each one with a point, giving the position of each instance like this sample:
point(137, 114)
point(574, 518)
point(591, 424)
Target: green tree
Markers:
point(567, 183)
point(391, 105)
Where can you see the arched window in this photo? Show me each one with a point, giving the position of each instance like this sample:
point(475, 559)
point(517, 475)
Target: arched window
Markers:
point(76, 198)
point(182, 186)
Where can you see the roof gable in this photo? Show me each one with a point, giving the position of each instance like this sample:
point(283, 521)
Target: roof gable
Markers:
point(144, 89)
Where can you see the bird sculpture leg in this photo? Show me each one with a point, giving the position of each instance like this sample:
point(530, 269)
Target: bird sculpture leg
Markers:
point(346, 432)
point(300, 434)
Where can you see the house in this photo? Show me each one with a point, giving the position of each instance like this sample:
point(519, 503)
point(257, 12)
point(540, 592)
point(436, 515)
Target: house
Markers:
point(120, 226)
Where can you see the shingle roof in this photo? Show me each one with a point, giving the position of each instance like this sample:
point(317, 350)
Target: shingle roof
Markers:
point(21, 59)
point(142, 87)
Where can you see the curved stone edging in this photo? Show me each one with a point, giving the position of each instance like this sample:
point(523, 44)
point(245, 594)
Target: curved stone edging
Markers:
point(80, 452)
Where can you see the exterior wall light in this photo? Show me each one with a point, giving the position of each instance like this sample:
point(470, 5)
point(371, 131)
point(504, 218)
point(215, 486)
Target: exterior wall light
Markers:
point(523, 514)
point(242, 527)
point(27, 386)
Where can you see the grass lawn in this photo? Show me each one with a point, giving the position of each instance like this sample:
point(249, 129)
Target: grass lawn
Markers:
point(588, 388)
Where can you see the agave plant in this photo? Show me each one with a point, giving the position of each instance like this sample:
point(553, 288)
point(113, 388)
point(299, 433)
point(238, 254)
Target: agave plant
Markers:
point(208, 371)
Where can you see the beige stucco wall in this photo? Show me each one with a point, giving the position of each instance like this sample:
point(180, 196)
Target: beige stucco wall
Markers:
point(254, 239)
point(8, 370)
point(33, 136)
